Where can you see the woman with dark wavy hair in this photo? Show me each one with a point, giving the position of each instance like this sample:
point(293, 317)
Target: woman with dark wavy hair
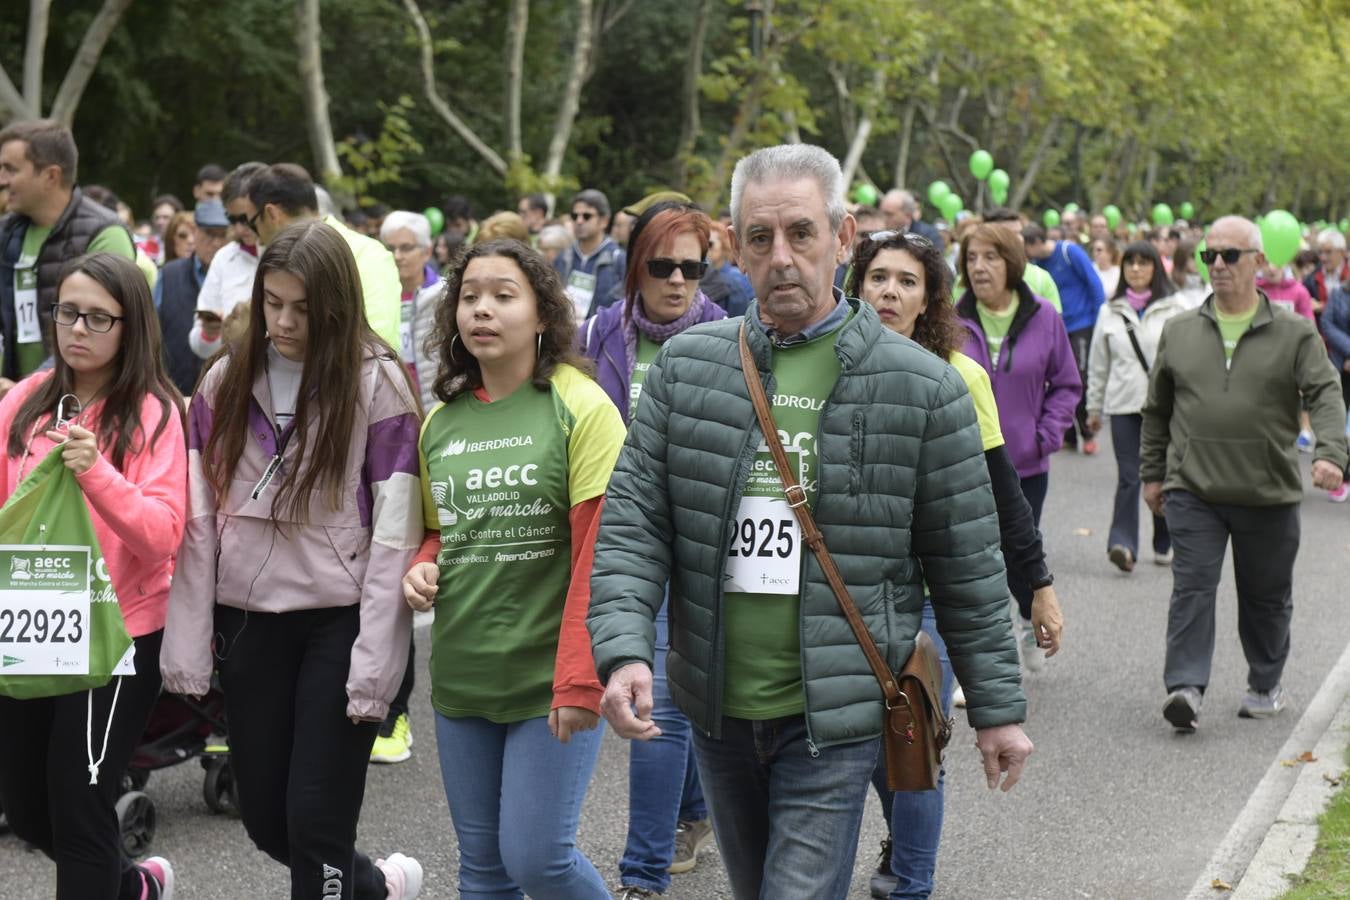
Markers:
point(515, 461)
point(906, 279)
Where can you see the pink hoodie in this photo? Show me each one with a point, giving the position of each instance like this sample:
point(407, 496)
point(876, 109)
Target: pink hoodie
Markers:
point(137, 514)
point(1289, 293)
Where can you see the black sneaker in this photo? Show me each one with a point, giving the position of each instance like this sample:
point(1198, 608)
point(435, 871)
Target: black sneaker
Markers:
point(1182, 709)
point(883, 879)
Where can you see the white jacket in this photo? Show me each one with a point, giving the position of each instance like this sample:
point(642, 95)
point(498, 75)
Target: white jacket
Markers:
point(1117, 383)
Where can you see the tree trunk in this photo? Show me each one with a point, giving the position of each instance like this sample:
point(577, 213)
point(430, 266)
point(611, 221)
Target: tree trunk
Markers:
point(490, 156)
point(39, 13)
point(571, 98)
point(86, 60)
point(518, 25)
point(1042, 148)
point(315, 95)
point(864, 130)
point(693, 70)
point(906, 138)
point(1150, 178)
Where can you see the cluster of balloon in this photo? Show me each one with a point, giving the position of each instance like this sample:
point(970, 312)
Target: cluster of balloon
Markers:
point(941, 195)
point(435, 218)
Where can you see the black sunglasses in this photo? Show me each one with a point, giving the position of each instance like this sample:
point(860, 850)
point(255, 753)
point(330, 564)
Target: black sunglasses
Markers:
point(1230, 256)
point(691, 269)
point(241, 219)
point(906, 237)
point(582, 216)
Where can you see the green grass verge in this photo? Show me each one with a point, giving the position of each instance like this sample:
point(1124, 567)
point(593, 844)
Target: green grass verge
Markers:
point(1328, 871)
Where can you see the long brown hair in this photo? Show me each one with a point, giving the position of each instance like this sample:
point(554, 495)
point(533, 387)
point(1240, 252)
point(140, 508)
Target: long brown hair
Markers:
point(139, 363)
point(339, 339)
point(459, 371)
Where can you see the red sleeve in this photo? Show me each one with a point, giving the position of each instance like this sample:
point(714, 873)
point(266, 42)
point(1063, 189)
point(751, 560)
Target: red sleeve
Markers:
point(574, 680)
point(431, 547)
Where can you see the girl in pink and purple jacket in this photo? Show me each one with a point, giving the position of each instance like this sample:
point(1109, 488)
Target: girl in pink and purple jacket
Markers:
point(125, 447)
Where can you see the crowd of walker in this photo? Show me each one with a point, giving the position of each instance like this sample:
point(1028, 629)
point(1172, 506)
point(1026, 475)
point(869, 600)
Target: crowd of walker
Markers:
point(291, 435)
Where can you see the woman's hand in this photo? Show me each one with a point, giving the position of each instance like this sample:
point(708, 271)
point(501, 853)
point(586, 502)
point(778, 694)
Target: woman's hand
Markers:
point(419, 586)
point(1094, 423)
point(565, 720)
point(79, 449)
point(1047, 621)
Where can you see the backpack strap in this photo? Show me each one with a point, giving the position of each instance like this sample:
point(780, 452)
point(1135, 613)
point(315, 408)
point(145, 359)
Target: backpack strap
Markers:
point(1134, 341)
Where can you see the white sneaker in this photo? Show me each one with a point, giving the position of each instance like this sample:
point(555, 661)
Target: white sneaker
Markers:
point(402, 876)
point(1162, 559)
point(959, 698)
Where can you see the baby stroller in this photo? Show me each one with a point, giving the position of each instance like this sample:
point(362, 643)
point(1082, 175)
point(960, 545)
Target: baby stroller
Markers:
point(180, 729)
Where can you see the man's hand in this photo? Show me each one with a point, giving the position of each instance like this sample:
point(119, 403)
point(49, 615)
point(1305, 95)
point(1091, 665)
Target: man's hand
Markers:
point(79, 449)
point(1094, 423)
point(565, 720)
point(1047, 621)
point(211, 325)
point(1153, 496)
point(419, 586)
point(1326, 475)
point(1005, 748)
point(630, 686)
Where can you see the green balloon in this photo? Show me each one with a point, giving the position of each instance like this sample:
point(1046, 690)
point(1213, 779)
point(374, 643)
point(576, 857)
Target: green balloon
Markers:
point(1345, 224)
point(1200, 263)
point(1279, 237)
point(864, 194)
point(1071, 207)
point(950, 206)
point(999, 182)
point(1112, 213)
point(1188, 210)
point(1162, 215)
point(1000, 194)
point(981, 164)
point(1051, 218)
point(435, 218)
point(936, 191)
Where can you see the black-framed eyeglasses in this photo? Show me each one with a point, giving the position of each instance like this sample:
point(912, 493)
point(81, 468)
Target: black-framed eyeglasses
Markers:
point(1230, 255)
point(97, 321)
point(908, 237)
point(691, 269)
point(582, 216)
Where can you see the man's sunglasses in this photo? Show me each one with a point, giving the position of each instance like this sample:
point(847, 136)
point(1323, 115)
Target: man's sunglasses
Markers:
point(1230, 256)
point(691, 269)
point(244, 219)
point(906, 237)
point(582, 216)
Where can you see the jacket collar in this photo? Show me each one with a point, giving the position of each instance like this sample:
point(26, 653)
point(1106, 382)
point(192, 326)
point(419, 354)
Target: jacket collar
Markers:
point(856, 336)
point(836, 318)
point(1264, 315)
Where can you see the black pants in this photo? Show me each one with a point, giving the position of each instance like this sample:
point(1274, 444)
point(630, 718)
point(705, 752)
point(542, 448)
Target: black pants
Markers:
point(1265, 543)
point(1126, 433)
point(1080, 342)
point(44, 777)
point(399, 705)
point(1034, 488)
point(299, 763)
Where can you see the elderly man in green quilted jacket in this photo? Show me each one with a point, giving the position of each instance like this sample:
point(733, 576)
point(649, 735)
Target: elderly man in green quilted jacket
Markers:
point(786, 712)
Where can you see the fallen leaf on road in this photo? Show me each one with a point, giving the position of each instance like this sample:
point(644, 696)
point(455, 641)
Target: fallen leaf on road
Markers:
point(1306, 756)
point(1082, 532)
point(1220, 885)
point(1288, 763)
point(1333, 780)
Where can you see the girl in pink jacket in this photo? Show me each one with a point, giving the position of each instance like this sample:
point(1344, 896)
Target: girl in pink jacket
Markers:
point(304, 512)
point(125, 447)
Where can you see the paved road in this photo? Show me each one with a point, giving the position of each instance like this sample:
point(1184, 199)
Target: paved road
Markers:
point(1113, 805)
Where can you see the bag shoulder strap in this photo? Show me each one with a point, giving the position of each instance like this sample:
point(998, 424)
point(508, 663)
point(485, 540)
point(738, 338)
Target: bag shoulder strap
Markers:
point(1134, 341)
point(796, 498)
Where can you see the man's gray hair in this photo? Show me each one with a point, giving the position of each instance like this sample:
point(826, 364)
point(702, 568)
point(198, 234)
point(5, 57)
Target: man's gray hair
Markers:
point(1253, 230)
point(790, 161)
point(554, 236)
point(413, 221)
point(1331, 238)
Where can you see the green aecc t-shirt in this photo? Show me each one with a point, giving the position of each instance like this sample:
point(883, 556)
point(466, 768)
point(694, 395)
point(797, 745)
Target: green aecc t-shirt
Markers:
point(1232, 328)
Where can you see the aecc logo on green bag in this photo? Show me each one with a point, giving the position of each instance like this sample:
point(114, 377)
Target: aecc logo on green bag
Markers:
point(48, 570)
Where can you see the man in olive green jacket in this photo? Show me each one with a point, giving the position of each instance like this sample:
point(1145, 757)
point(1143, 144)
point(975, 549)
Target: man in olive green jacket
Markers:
point(1218, 458)
point(786, 712)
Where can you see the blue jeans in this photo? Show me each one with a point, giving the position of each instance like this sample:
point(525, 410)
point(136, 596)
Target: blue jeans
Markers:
point(915, 817)
point(515, 797)
point(786, 821)
point(1126, 431)
point(663, 785)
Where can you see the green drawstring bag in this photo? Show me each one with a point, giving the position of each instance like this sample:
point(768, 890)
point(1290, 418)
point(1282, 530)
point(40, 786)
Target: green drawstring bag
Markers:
point(61, 628)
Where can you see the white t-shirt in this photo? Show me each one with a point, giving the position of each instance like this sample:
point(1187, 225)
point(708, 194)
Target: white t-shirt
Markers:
point(283, 380)
point(229, 282)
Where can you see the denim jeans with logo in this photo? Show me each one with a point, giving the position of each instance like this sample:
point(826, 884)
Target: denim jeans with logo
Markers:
point(786, 818)
point(515, 797)
point(663, 785)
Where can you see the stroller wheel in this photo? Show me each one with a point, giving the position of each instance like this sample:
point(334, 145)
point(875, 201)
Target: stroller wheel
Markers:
point(218, 787)
point(135, 780)
point(137, 819)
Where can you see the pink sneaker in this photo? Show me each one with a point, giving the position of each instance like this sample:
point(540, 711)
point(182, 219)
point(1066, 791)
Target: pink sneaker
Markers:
point(1340, 494)
point(402, 876)
point(158, 871)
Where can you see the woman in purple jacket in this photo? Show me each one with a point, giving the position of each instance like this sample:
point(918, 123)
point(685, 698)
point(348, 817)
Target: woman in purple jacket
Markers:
point(667, 255)
point(1022, 343)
